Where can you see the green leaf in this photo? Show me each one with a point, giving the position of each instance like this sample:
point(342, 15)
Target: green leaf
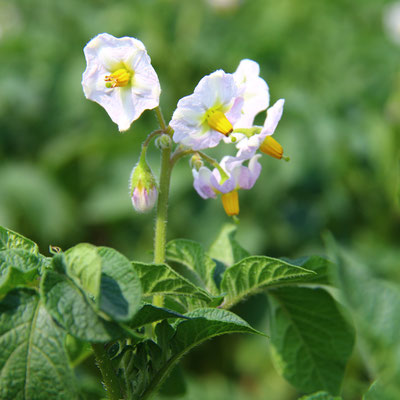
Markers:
point(255, 273)
point(205, 323)
point(225, 248)
point(18, 268)
point(149, 313)
point(107, 277)
point(83, 265)
point(375, 306)
point(13, 240)
point(155, 364)
point(174, 384)
point(192, 255)
point(77, 350)
point(33, 361)
point(375, 302)
point(121, 291)
point(311, 341)
point(320, 265)
point(381, 390)
point(320, 396)
point(162, 279)
point(69, 306)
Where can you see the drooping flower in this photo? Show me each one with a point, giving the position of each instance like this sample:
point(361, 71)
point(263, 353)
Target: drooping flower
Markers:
point(143, 186)
point(263, 140)
point(120, 77)
point(253, 89)
point(203, 118)
point(226, 180)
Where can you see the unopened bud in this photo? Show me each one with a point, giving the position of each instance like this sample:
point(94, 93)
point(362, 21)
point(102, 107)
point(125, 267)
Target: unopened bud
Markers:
point(164, 142)
point(143, 186)
point(196, 162)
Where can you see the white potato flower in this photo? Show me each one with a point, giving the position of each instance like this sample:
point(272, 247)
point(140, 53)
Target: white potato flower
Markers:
point(120, 77)
point(208, 115)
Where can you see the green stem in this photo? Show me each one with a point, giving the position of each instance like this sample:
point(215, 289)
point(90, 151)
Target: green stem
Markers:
point(111, 382)
point(160, 118)
point(151, 136)
point(162, 206)
point(224, 175)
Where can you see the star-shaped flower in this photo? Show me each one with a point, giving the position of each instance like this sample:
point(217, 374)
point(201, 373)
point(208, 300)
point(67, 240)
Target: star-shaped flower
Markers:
point(120, 77)
point(205, 117)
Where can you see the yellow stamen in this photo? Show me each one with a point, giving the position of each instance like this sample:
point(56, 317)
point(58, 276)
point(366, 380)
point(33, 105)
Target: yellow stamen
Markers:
point(120, 78)
point(271, 147)
point(230, 201)
point(217, 121)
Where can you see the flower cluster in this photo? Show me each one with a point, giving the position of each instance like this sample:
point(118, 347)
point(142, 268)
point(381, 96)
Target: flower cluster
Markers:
point(222, 108)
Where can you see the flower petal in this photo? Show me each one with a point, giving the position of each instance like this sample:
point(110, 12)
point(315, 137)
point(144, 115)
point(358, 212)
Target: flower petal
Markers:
point(104, 54)
point(202, 183)
point(254, 90)
point(274, 115)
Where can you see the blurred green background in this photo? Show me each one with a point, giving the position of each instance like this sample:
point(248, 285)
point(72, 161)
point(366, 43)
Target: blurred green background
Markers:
point(64, 167)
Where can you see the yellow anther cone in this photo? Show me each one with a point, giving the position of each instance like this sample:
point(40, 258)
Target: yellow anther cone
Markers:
point(230, 201)
point(119, 78)
point(271, 147)
point(218, 121)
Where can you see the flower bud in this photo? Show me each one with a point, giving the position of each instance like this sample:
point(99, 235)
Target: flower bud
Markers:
point(143, 186)
point(164, 142)
point(196, 162)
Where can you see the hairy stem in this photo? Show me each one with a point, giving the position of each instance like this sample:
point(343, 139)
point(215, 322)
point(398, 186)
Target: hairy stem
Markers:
point(111, 382)
point(162, 205)
point(151, 136)
point(160, 118)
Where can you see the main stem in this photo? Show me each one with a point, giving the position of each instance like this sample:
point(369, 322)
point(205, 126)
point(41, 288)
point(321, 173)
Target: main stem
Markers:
point(111, 382)
point(162, 205)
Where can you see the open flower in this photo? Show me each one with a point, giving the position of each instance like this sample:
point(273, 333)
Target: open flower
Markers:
point(263, 141)
point(120, 78)
point(226, 180)
point(254, 91)
point(202, 119)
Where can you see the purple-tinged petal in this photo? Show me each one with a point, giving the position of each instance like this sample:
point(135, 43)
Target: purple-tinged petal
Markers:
point(202, 183)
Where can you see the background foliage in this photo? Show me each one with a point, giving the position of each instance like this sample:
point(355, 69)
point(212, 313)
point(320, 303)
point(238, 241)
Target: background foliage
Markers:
point(64, 167)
